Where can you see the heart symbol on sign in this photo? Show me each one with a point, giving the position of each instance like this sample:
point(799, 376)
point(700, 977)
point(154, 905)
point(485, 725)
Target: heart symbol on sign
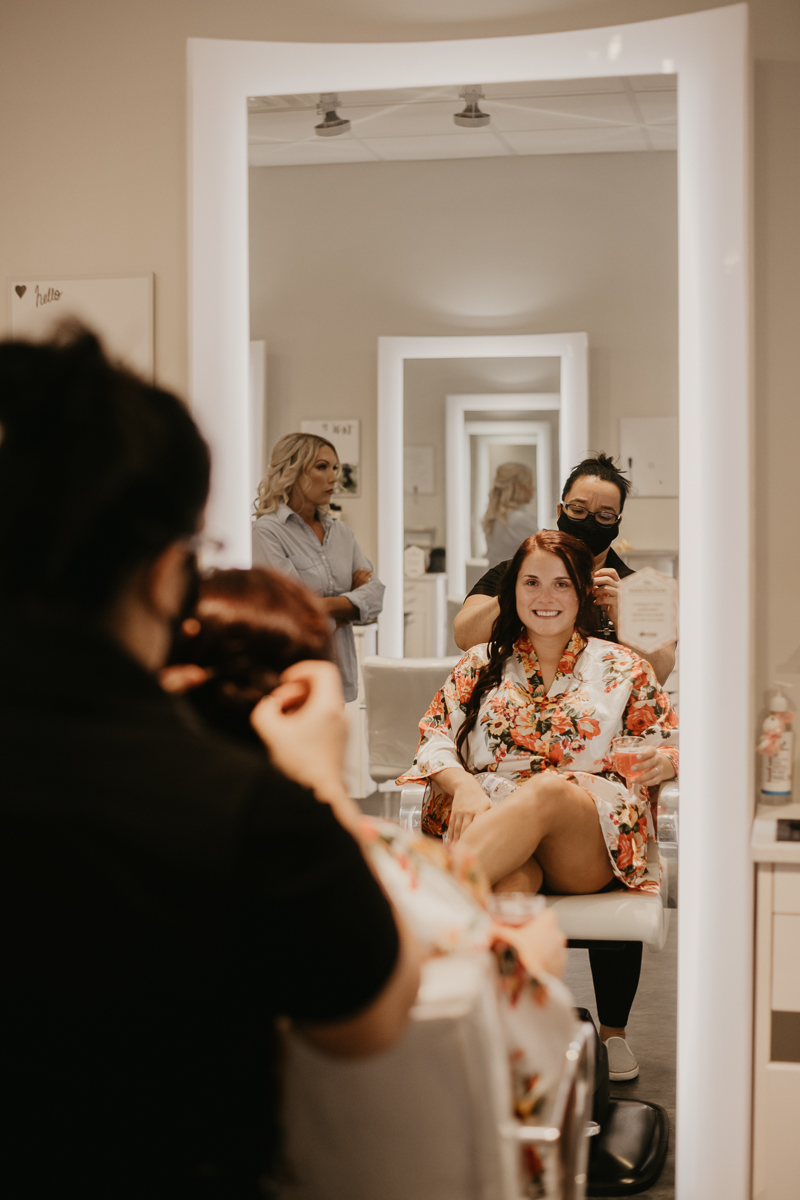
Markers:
point(20, 289)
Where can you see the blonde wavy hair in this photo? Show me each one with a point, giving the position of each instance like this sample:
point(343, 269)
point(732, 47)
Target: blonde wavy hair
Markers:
point(512, 483)
point(291, 458)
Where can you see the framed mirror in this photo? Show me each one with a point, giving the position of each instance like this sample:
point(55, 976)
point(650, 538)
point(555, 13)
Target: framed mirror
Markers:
point(708, 51)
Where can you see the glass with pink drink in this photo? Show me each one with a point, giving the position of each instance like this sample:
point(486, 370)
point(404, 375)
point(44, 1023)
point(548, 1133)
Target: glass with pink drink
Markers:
point(626, 757)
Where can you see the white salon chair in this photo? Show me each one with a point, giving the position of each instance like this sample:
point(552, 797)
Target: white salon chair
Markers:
point(397, 691)
point(431, 1119)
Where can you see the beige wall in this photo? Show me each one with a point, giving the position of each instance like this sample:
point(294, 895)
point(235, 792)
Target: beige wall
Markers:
point(92, 146)
point(343, 254)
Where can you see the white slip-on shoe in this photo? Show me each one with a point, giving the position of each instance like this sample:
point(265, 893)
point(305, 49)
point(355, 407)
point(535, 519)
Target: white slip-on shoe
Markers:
point(622, 1062)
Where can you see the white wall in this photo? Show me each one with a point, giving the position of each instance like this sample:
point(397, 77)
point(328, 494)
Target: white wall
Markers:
point(541, 244)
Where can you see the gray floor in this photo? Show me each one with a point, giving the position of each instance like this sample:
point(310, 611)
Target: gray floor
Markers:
point(652, 1027)
point(652, 1034)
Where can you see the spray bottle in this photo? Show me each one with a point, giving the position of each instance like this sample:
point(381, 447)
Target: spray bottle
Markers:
point(776, 748)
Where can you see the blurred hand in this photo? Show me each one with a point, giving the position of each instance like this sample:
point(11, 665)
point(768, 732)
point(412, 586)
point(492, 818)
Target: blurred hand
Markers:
point(540, 943)
point(182, 677)
point(606, 592)
point(302, 723)
point(360, 577)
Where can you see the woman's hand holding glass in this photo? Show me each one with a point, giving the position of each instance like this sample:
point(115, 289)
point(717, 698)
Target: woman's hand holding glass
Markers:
point(648, 767)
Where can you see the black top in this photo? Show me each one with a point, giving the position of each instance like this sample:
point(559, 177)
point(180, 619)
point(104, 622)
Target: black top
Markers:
point(165, 894)
point(489, 585)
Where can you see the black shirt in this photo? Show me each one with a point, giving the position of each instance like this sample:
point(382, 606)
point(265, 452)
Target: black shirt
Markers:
point(489, 585)
point(165, 895)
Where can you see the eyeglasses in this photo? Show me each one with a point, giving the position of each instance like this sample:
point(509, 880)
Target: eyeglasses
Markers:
point(606, 516)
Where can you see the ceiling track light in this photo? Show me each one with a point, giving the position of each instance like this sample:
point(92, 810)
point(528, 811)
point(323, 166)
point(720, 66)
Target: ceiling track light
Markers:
point(332, 124)
point(471, 116)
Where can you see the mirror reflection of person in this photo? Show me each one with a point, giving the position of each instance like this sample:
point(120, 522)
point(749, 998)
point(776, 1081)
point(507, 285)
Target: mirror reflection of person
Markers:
point(507, 521)
point(517, 748)
point(295, 533)
point(591, 510)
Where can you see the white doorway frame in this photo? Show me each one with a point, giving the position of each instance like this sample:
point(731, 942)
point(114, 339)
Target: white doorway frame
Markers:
point(573, 351)
point(458, 468)
point(709, 52)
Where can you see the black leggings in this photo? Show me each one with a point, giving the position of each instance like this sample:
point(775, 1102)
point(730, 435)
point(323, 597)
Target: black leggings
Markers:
point(616, 967)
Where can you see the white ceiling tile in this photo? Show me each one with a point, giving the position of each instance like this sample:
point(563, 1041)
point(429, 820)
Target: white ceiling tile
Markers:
point(554, 87)
point(577, 141)
point(658, 108)
point(324, 150)
point(407, 120)
point(653, 83)
point(282, 126)
point(478, 143)
point(663, 137)
point(563, 112)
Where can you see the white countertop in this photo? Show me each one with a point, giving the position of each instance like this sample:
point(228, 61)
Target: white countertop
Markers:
point(765, 827)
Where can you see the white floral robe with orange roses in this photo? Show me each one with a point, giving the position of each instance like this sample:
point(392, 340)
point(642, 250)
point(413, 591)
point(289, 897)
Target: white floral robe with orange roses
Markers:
point(600, 691)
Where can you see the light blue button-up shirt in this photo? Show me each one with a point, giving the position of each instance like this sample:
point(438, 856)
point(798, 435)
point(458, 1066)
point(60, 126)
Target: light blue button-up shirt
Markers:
point(283, 541)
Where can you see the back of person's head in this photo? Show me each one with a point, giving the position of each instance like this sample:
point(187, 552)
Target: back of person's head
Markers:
point(290, 460)
point(99, 473)
point(599, 466)
point(512, 487)
point(248, 627)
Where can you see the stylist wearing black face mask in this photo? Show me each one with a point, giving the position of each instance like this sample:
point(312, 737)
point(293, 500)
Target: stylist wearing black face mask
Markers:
point(591, 510)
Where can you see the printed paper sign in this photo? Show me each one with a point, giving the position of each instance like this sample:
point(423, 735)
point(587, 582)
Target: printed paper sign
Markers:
point(648, 610)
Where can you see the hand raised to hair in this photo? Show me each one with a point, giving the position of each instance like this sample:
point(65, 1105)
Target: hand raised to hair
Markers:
point(606, 592)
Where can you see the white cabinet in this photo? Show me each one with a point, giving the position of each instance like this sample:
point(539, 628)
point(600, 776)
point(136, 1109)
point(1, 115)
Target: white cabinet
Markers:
point(776, 1092)
point(425, 612)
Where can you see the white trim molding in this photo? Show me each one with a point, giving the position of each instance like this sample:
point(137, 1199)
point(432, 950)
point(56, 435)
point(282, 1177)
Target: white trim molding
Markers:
point(709, 52)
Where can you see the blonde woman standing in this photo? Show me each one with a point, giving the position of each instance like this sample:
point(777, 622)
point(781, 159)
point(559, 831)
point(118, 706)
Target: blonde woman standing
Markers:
point(506, 523)
point(294, 533)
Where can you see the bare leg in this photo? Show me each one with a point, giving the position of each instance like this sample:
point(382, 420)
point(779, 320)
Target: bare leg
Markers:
point(553, 819)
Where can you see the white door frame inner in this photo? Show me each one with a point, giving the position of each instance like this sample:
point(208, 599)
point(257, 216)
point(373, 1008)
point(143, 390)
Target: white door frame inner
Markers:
point(573, 351)
point(709, 52)
point(458, 467)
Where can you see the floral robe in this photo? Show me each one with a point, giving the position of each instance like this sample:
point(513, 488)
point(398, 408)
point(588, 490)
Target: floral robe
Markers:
point(600, 691)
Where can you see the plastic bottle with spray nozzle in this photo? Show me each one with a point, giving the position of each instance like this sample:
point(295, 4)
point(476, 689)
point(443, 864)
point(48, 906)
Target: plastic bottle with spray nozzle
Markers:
point(776, 747)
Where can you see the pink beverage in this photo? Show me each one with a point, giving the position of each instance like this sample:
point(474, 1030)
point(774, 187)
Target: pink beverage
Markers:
point(627, 763)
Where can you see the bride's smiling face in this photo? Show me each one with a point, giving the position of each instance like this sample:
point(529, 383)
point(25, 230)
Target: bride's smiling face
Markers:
point(547, 603)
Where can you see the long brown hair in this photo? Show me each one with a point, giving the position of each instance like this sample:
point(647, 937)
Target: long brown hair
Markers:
point(508, 626)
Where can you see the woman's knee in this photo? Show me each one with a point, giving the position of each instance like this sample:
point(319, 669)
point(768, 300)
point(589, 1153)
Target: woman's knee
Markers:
point(540, 792)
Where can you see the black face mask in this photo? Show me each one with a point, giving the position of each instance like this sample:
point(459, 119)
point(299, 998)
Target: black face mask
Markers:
point(594, 536)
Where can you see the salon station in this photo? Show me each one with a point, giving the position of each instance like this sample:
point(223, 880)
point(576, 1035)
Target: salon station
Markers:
point(508, 277)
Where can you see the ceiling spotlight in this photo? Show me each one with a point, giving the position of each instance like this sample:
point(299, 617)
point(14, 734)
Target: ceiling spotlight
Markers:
point(471, 116)
point(332, 124)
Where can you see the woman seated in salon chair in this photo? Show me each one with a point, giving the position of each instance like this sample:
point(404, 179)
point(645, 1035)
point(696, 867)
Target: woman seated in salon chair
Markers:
point(516, 747)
